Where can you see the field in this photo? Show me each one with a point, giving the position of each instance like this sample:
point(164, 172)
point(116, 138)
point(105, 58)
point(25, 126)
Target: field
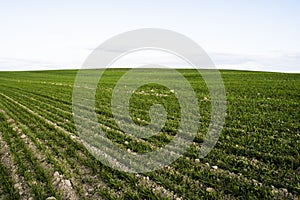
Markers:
point(256, 157)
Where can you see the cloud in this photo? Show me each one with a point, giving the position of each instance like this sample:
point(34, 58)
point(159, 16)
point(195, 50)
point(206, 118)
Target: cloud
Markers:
point(272, 61)
point(275, 61)
point(17, 64)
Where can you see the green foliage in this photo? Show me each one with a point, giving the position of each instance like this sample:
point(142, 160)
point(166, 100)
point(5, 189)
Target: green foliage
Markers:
point(256, 156)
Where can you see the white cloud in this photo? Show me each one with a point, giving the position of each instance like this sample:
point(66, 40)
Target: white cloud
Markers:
point(273, 61)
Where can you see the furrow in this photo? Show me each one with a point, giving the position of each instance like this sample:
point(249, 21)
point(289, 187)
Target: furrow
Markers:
point(19, 182)
point(74, 173)
point(62, 130)
point(58, 182)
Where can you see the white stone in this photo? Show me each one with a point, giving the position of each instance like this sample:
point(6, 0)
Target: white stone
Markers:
point(214, 167)
point(209, 189)
point(51, 198)
point(68, 183)
point(56, 174)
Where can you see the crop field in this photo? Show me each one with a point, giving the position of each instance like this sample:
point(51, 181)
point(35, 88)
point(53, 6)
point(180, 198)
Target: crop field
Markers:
point(256, 157)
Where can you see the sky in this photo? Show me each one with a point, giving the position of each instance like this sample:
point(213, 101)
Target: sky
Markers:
point(246, 35)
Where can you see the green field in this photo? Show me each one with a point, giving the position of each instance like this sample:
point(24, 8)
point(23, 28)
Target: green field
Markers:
point(256, 157)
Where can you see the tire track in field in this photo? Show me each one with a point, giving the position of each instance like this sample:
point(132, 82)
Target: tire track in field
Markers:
point(58, 181)
point(166, 193)
point(19, 182)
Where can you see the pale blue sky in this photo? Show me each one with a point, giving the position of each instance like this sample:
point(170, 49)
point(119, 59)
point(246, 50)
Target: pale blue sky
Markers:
point(251, 35)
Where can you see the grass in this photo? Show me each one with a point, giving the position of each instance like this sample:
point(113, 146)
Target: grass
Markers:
point(256, 157)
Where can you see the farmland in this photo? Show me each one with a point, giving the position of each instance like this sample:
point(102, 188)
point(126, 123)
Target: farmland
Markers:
point(257, 155)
